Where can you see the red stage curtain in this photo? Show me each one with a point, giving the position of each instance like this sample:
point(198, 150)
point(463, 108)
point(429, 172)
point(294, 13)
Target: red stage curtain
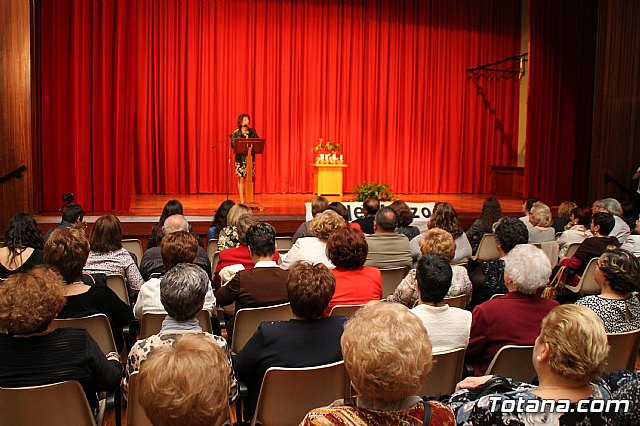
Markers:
point(140, 96)
point(560, 109)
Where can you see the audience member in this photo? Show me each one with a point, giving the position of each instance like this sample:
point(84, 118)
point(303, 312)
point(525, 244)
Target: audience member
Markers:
point(436, 241)
point(541, 221)
point(370, 207)
point(183, 292)
point(405, 219)
point(263, 285)
point(564, 215)
point(341, 209)
point(107, 255)
point(386, 248)
point(219, 219)
point(22, 247)
point(488, 277)
point(318, 205)
point(568, 357)
point(355, 283)
point(576, 230)
point(304, 341)
point(152, 262)
point(313, 249)
point(387, 354)
point(618, 275)
point(514, 318)
point(67, 251)
point(171, 207)
point(448, 327)
point(72, 217)
point(491, 213)
point(632, 243)
point(526, 209)
point(625, 386)
point(445, 217)
point(610, 205)
point(228, 237)
point(177, 247)
point(186, 384)
point(34, 353)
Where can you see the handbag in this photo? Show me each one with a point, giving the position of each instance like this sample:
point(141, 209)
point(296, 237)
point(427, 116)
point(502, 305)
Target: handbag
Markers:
point(564, 275)
point(496, 384)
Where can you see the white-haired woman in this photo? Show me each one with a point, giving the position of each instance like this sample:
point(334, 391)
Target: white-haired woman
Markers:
point(514, 318)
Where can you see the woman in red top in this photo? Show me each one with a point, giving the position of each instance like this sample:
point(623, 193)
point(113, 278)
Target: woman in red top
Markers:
point(355, 284)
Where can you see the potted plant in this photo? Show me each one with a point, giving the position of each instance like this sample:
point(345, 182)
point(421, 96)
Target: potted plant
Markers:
point(379, 190)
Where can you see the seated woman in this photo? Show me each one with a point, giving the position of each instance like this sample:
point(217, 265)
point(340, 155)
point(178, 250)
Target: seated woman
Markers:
point(33, 353)
point(618, 274)
point(182, 293)
point(405, 219)
point(625, 386)
point(228, 237)
point(170, 208)
point(314, 249)
point(564, 216)
point(448, 327)
point(541, 221)
point(445, 217)
point(356, 284)
point(306, 340)
point(568, 357)
point(186, 383)
point(514, 318)
point(107, 255)
point(67, 250)
point(440, 242)
point(488, 277)
point(21, 249)
point(491, 213)
point(387, 354)
point(219, 219)
point(576, 230)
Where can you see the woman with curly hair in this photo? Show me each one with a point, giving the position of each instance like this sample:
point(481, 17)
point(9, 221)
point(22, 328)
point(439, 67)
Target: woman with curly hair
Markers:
point(22, 247)
point(444, 216)
point(355, 283)
point(405, 218)
point(491, 213)
point(618, 274)
point(228, 236)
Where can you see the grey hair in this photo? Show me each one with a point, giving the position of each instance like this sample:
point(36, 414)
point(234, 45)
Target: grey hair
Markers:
point(609, 204)
point(528, 267)
point(175, 223)
point(182, 291)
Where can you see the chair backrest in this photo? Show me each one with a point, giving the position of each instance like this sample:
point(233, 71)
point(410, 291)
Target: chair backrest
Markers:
point(551, 249)
point(212, 247)
point(515, 362)
point(446, 373)
point(572, 249)
point(214, 262)
point(283, 244)
point(98, 327)
point(151, 324)
point(460, 301)
point(57, 404)
point(134, 246)
point(487, 250)
point(587, 283)
point(248, 319)
point(624, 350)
point(391, 277)
point(117, 284)
point(135, 413)
point(344, 310)
point(288, 394)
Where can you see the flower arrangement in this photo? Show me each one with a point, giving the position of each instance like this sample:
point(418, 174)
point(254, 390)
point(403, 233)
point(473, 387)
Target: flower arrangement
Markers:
point(328, 153)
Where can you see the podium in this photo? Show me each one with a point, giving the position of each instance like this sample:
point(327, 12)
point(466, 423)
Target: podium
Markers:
point(327, 179)
point(249, 146)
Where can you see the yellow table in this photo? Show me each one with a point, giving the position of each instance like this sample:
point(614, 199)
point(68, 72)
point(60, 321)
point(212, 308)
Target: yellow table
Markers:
point(327, 179)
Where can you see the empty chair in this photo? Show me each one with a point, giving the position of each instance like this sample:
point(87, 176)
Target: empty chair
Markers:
point(624, 350)
point(460, 301)
point(133, 245)
point(446, 373)
point(97, 325)
point(487, 250)
point(344, 310)
point(117, 284)
point(587, 283)
point(391, 278)
point(513, 361)
point(248, 319)
point(287, 394)
point(152, 323)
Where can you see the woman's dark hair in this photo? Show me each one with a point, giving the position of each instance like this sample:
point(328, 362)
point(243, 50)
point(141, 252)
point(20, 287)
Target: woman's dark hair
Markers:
point(240, 117)
point(583, 214)
point(491, 213)
point(106, 235)
point(444, 217)
point(347, 248)
point(404, 213)
point(621, 269)
point(339, 208)
point(220, 218)
point(170, 208)
point(21, 233)
point(510, 232)
point(434, 275)
point(529, 202)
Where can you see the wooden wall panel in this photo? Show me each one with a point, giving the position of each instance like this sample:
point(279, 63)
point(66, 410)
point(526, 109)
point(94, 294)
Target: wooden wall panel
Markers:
point(616, 123)
point(16, 119)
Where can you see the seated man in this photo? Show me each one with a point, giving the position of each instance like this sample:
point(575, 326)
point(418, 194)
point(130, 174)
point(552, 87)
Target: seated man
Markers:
point(186, 384)
point(151, 262)
point(265, 284)
point(177, 247)
point(448, 327)
point(305, 341)
point(371, 206)
point(386, 248)
point(182, 292)
point(72, 217)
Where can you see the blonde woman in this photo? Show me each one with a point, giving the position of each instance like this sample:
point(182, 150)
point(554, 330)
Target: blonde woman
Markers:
point(541, 221)
point(229, 234)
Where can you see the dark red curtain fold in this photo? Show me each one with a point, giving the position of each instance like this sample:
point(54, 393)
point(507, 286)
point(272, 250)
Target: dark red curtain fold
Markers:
point(140, 96)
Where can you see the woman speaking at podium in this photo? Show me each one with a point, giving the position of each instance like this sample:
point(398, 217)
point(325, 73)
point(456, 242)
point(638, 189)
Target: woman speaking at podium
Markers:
point(243, 131)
